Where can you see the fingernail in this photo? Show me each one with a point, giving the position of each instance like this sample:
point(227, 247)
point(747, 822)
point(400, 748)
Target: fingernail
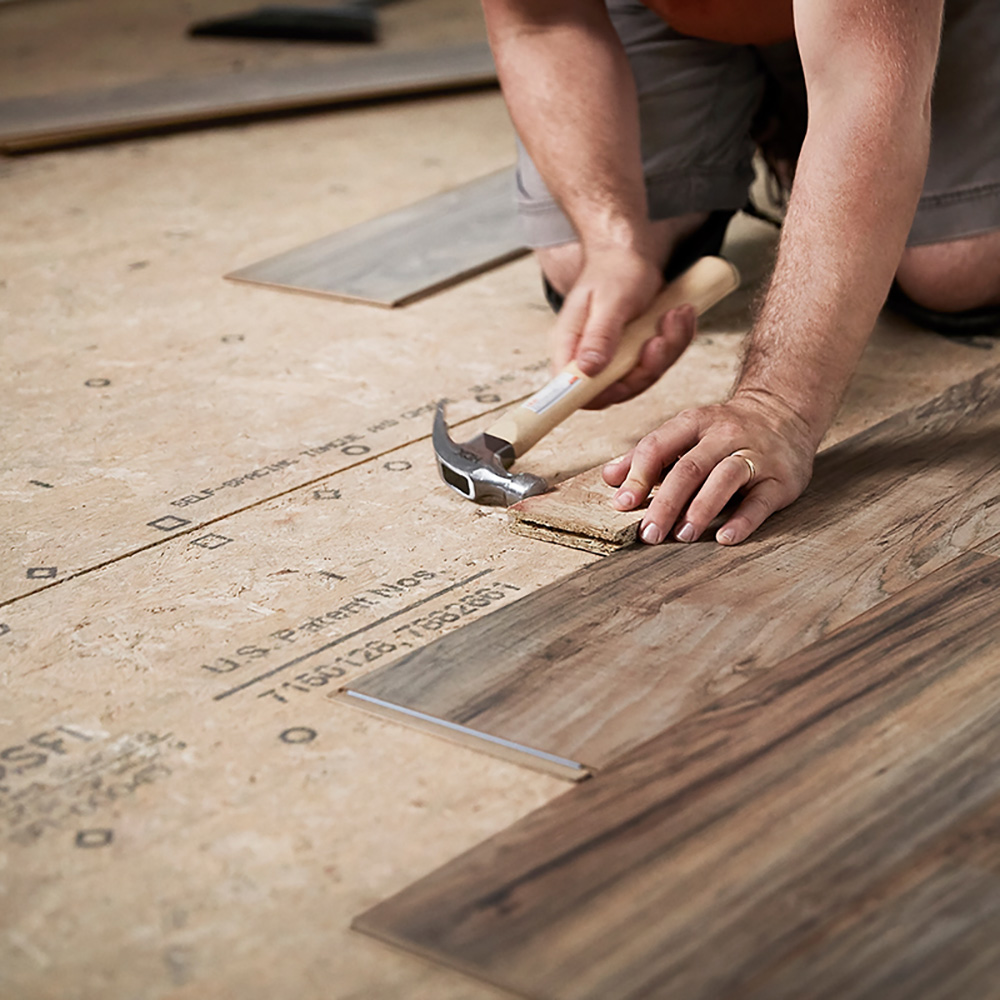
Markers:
point(592, 358)
point(624, 499)
point(685, 533)
point(726, 536)
point(651, 534)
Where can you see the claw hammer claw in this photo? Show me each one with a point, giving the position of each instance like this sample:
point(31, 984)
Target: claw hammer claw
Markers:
point(478, 469)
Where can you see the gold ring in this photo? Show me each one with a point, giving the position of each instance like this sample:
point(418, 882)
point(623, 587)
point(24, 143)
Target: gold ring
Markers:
point(750, 466)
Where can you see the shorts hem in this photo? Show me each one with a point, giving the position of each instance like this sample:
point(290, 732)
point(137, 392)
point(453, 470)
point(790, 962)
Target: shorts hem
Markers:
point(955, 215)
point(544, 224)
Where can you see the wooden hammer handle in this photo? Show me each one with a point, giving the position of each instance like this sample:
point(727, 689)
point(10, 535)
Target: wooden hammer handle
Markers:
point(706, 282)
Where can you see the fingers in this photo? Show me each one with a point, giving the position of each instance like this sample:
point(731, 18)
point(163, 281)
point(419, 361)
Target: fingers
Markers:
point(675, 331)
point(616, 470)
point(729, 476)
point(690, 473)
point(714, 453)
point(647, 461)
point(758, 505)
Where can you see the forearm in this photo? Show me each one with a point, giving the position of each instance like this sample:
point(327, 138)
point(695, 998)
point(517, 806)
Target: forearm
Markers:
point(571, 96)
point(856, 188)
point(838, 253)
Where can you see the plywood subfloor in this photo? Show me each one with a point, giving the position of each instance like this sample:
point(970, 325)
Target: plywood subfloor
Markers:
point(174, 840)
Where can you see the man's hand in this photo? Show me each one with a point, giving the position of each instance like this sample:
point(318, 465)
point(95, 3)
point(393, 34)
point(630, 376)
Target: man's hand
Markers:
point(616, 286)
point(772, 466)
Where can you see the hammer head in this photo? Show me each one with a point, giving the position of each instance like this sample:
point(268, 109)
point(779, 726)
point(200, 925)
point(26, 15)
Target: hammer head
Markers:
point(478, 468)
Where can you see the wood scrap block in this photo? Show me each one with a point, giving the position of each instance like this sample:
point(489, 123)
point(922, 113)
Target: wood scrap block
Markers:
point(28, 123)
point(772, 845)
point(577, 513)
point(406, 254)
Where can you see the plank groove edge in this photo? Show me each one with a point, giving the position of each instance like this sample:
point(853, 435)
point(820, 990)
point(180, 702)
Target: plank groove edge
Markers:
point(538, 760)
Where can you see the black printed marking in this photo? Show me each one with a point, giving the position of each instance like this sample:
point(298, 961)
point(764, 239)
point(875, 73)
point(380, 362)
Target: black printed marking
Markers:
point(298, 734)
point(349, 636)
point(211, 541)
point(94, 838)
point(168, 523)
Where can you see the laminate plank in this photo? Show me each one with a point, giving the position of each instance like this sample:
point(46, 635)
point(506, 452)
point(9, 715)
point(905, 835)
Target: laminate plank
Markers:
point(593, 665)
point(929, 931)
point(990, 547)
point(28, 123)
point(704, 862)
point(406, 254)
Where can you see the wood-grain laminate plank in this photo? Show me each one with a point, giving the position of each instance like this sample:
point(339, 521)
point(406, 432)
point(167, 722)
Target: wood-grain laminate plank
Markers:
point(709, 862)
point(930, 930)
point(990, 547)
point(41, 122)
point(408, 253)
point(596, 664)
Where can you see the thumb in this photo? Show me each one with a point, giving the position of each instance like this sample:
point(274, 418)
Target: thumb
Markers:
point(568, 328)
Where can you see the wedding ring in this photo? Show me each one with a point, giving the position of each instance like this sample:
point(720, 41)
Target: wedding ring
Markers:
point(750, 466)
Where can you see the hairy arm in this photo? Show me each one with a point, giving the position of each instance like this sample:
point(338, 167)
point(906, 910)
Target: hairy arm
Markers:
point(572, 99)
point(571, 96)
point(869, 69)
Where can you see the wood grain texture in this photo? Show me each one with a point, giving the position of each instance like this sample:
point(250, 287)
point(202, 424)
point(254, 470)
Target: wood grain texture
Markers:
point(577, 513)
point(41, 122)
point(747, 845)
point(408, 253)
point(593, 665)
point(990, 547)
point(930, 930)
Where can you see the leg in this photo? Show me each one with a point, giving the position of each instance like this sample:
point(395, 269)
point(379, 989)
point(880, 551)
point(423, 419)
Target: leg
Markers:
point(954, 276)
point(949, 275)
point(697, 100)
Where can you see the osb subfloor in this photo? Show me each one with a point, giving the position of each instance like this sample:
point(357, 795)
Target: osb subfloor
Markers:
point(205, 482)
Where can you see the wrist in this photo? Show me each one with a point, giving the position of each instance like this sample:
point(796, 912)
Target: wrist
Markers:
point(617, 234)
point(806, 419)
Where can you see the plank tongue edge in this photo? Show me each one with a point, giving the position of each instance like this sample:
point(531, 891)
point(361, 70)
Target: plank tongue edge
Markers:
point(495, 746)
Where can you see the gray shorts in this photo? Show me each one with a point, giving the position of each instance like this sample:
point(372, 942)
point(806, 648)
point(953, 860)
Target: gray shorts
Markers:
point(699, 101)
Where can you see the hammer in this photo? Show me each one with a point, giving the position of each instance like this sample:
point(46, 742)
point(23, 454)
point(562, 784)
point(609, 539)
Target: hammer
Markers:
point(478, 469)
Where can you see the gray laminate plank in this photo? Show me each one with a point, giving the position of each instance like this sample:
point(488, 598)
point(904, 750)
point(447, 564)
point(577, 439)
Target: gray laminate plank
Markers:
point(59, 119)
point(408, 253)
point(723, 856)
point(595, 664)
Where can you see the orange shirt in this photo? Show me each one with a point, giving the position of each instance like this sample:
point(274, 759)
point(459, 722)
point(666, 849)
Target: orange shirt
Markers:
point(743, 22)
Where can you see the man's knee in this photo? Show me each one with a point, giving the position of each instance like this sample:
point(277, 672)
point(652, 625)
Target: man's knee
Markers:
point(561, 265)
point(955, 276)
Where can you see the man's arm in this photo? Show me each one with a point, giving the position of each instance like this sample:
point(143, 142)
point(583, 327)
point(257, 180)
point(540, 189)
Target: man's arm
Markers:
point(869, 68)
point(571, 96)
